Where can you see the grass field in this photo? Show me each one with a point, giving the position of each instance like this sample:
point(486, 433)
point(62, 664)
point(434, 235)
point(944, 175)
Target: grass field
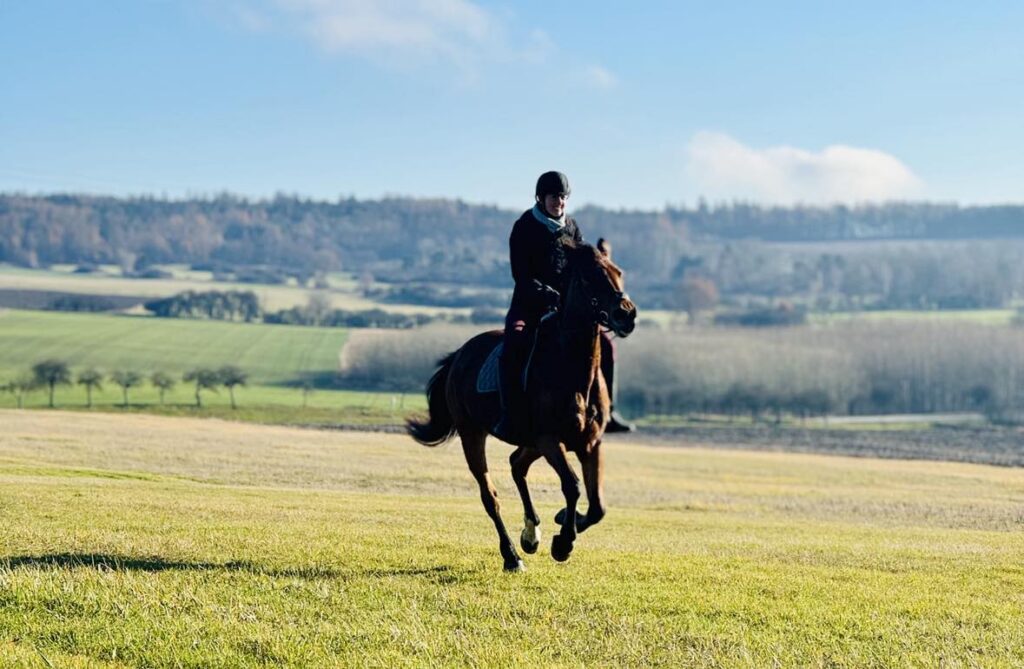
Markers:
point(272, 355)
point(269, 353)
point(147, 541)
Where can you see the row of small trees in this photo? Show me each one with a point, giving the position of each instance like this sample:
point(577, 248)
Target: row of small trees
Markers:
point(52, 373)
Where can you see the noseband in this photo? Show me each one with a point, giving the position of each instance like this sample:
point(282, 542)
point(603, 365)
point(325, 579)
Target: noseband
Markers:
point(599, 315)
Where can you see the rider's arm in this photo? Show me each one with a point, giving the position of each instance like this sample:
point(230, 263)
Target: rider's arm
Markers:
point(522, 271)
point(519, 256)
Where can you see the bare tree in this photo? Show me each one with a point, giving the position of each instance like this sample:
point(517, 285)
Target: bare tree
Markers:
point(163, 382)
point(231, 376)
point(91, 379)
point(698, 294)
point(18, 387)
point(126, 380)
point(51, 373)
point(318, 307)
point(204, 379)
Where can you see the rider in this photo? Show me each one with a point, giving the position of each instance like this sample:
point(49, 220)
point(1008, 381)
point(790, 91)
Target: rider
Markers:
point(538, 263)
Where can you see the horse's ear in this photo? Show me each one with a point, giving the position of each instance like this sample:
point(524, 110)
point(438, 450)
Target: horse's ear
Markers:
point(605, 247)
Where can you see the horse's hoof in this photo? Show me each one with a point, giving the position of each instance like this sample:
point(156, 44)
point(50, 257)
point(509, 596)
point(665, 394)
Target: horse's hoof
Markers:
point(515, 567)
point(581, 520)
point(561, 548)
point(529, 539)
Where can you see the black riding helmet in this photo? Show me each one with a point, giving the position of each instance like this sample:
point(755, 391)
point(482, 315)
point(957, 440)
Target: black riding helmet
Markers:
point(552, 183)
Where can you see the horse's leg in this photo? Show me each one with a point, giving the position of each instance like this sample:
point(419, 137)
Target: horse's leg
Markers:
point(554, 453)
point(593, 480)
point(476, 458)
point(521, 459)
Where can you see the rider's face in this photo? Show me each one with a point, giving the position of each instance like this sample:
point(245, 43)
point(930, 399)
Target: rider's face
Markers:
point(555, 204)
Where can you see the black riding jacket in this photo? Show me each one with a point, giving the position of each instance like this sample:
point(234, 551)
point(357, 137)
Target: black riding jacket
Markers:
point(538, 259)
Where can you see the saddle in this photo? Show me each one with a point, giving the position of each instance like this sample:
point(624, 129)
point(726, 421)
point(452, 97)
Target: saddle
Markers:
point(487, 378)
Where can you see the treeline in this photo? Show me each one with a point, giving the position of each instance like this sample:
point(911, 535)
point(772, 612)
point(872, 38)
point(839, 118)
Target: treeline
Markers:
point(961, 275)
point(218, 305)
point(854, 368)
point(245, 306)
point(825, 258)
point(52, 373)
point(851, 368)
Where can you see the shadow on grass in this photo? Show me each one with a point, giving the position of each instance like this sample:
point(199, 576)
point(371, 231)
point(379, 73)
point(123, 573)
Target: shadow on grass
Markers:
point(118, 563)
point(334, 380)
point(317, 380)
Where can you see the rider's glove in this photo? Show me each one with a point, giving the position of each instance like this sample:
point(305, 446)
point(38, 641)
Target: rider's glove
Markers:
point(549, 297)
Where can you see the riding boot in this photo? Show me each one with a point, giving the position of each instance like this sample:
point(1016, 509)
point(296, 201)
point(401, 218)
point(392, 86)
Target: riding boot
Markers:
point(616, 423)
point(509, 428)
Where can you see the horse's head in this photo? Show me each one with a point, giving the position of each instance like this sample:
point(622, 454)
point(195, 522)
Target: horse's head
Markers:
point(596, 288)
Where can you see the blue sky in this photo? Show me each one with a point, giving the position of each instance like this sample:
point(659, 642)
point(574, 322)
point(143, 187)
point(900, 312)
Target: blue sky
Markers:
point(642, 106)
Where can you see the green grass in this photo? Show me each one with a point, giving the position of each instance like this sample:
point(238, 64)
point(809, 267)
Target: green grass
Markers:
point(269, 353)
point(276, 404)
point(147, 541)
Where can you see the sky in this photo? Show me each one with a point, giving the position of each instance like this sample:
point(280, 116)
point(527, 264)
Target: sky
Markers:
point(643, 105)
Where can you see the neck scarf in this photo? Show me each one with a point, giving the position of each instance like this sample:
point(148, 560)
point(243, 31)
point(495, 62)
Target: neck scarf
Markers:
point(553, 224)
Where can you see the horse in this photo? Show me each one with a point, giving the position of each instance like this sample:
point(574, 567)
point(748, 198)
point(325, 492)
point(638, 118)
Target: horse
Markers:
point(566, 407)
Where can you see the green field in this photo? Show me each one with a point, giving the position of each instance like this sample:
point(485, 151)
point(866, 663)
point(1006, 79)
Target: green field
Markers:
point(342, 292)
point(149, 541)
point(273, 355)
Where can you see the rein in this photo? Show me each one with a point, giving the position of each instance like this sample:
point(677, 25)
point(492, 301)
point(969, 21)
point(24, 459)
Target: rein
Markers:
point(598, 316)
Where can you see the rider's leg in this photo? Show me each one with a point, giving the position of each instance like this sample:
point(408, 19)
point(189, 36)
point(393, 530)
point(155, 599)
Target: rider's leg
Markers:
point(510, 383)
point(616, 423)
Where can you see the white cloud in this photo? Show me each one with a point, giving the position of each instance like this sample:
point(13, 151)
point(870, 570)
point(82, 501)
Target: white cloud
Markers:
point(720, 167)
point(598, 77)
point(454, 30)
point(250, 18)
point(409, 34)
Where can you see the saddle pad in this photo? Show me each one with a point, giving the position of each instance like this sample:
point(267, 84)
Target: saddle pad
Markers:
point(487, 379)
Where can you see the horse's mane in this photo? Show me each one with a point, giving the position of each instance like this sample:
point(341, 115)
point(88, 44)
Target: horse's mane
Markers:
point(576, 251)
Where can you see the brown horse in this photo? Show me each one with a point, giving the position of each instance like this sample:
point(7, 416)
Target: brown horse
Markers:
point(567, 407)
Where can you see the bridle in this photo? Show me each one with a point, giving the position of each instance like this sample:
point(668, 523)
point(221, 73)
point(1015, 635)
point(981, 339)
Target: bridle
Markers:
point(598, 316)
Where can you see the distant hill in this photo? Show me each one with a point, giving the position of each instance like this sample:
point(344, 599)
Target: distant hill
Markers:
point(418, 240)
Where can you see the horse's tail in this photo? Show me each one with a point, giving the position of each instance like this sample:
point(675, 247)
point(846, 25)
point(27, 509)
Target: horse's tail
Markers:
point(440, 426)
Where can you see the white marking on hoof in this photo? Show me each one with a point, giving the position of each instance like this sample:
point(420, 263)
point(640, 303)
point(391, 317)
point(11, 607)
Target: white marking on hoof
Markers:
point(518, 569)
point(531, 533)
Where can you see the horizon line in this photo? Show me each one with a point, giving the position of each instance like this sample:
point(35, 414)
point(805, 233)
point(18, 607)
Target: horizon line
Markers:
point(214, 195)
